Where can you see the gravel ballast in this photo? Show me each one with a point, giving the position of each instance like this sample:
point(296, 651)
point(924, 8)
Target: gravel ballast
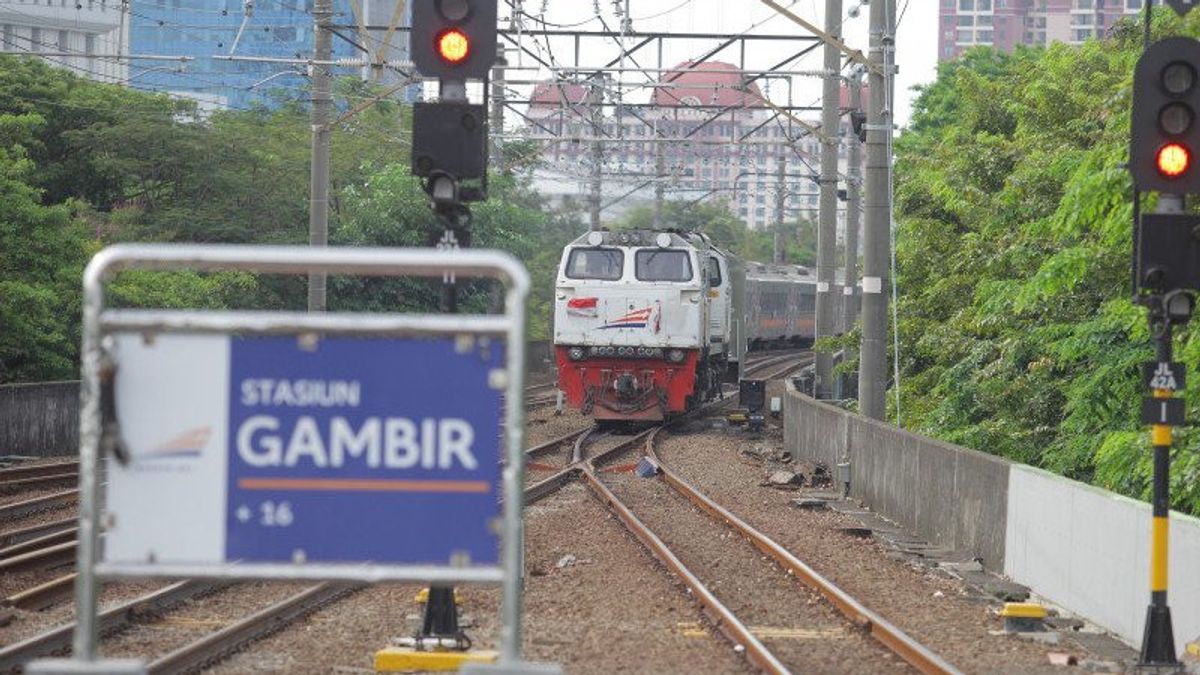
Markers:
point(935, 610)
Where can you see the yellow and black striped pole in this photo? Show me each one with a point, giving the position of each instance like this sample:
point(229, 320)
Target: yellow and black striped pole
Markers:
point(1163, 410)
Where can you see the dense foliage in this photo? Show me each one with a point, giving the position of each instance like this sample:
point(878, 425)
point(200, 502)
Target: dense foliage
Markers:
point(1017, 332)
point(85, 164)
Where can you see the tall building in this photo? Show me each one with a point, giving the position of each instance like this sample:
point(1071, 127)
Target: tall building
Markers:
point(728, 151)
point(202, 29)
point(1003, 24)
point(85, 36)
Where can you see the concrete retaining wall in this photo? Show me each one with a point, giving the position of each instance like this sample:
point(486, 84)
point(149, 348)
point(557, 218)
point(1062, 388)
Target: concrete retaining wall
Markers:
point(951, 496)
point(1081, 547)
point(39, 420)
point(1089, 550)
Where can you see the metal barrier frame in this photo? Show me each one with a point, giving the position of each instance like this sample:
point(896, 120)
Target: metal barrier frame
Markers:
point(99, 322)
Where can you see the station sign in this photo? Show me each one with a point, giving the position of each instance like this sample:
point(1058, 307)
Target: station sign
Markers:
point(292, 449)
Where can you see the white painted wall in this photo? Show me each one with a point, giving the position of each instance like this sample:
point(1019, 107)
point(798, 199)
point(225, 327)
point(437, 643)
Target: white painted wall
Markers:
point(1088, 550)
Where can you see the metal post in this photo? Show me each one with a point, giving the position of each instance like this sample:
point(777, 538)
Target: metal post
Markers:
point(87, 589)
point(872, 375)
point(497, 122)
point(853, 209)
point(1158, 638)
point(595, 100)
point(660, 173)
point(780, 202)
point(513, 474)
point(827, 230)
point(322, 101)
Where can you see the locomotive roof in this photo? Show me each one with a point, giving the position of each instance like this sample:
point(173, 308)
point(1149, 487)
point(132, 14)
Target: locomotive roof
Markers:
point(642, 238)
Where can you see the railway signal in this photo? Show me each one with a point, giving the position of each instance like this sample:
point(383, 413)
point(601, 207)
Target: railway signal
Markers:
point(1165, 129)
point(454, 39)
point(1164, 140)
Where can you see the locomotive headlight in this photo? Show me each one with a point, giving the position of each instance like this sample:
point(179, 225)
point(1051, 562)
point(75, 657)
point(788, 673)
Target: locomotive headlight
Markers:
point(676, 356)
point(575, 353)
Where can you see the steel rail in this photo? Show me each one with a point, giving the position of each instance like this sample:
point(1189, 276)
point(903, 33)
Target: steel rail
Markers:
point(31, 545)
point(539, 402)
point(9, 512)
point(724, 618)
point(896, 640)
point(588, 435)
point(42, 558)
point(16, 484)
point(553, 444)
point(24, 534)
point(39, 470)
point(216, 646)
point(58, 639)
point(548, 486)
point(42, 596)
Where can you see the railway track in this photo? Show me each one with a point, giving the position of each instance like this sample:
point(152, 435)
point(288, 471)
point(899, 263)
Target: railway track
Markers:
point(860, 619)
point(20, 509)
point(39, 476)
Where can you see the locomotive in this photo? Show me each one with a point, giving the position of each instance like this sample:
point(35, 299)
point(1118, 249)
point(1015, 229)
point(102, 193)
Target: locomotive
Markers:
point(652, 323)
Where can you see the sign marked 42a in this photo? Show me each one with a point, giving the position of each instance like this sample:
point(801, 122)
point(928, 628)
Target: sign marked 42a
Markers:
point(1162, 375)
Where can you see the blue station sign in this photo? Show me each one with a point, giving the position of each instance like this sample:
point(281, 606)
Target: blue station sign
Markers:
point(338, 450)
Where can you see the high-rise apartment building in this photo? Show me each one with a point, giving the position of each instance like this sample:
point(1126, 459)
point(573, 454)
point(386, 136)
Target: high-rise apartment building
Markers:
point(705, 136)
point(1003, 24)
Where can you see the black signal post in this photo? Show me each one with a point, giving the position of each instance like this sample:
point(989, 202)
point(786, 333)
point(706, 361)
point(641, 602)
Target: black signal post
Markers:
point(1164, 140)
point(453, 41)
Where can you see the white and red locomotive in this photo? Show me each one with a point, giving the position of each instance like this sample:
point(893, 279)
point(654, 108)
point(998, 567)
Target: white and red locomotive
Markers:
point(646, 324)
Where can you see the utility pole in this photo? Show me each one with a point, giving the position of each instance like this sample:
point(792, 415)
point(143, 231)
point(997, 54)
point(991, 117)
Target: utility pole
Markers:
point(596, 100)
point(853, 207)
point(827, 230)
point(872, 374)
point(497, 121)
point(780, 202)
point(660, 173)
point(322, 101)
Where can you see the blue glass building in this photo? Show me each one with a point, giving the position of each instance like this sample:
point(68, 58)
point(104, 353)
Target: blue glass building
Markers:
point(203, 29)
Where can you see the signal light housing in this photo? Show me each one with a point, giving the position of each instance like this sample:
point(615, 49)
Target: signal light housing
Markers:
point(453, 39)
point(1164, 128)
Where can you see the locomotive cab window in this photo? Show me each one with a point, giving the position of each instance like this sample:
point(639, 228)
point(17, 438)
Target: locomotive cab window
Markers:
point(605, 264)
point(663, 265)
point(714, 273)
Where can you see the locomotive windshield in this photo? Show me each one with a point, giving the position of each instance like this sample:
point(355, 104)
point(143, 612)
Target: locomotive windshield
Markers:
point(605, 264)
point(663, 265)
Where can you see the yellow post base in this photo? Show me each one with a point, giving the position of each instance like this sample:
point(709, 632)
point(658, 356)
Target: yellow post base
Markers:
point(404, 660)
point(1023, 610)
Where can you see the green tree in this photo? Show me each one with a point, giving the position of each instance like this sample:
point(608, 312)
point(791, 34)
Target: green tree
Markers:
point(1017, 333)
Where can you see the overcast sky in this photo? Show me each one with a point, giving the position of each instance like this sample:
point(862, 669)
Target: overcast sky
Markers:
point(916, 40)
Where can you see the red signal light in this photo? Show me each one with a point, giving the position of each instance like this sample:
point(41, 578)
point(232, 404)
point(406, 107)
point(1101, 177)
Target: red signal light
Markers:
point(453, 46)
point(1173, 160)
